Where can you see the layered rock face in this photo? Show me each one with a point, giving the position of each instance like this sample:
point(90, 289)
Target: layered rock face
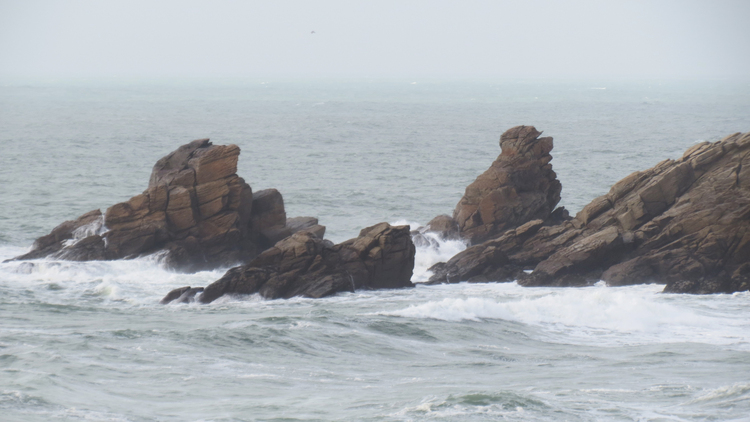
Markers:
point(684, 222)
point(518, 187)
point(196, 209)
point(382, 257)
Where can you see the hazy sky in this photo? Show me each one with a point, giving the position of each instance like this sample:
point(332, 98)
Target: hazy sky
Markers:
point(505, 39)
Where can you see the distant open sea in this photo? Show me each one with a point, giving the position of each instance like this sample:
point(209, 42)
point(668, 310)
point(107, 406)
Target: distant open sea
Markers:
point(89, 341)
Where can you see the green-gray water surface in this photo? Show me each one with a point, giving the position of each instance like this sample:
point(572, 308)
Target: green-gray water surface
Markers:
point(88, 341)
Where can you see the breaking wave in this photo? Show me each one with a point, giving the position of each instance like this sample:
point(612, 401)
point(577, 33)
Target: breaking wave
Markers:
point(619, 315)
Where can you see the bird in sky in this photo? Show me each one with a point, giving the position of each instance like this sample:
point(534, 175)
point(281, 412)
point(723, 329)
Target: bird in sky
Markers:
point(312, 32)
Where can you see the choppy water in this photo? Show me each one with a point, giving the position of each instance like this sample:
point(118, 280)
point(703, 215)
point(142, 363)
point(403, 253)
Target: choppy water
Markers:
point(88, 341)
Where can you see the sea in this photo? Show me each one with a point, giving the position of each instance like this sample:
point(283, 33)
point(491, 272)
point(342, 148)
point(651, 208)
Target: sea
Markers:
point(88, 341)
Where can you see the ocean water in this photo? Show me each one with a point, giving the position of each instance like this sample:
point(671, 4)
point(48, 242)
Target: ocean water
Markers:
point(89, 341)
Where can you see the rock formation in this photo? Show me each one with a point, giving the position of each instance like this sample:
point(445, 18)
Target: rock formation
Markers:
point(518, 187)
point(196, 209)
point(684, 222)
point(382, 257)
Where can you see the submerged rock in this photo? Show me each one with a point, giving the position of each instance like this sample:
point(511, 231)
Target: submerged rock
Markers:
point(683, 222)
point(196, 209)
point(181, 295)
point(382, 257)
point(518, 187)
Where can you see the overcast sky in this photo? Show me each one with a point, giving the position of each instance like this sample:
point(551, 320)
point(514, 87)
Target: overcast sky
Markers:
point(444, 39)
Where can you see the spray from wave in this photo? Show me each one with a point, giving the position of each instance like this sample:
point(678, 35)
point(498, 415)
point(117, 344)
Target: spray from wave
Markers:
point(431, 248)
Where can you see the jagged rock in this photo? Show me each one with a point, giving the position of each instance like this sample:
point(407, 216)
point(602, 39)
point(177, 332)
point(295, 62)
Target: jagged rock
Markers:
point(382, 257)
point(684, 222)
point(195, 208)
point(518, 187)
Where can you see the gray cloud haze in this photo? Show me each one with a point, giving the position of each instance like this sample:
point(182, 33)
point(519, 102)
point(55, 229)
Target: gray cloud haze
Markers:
point(548, 39)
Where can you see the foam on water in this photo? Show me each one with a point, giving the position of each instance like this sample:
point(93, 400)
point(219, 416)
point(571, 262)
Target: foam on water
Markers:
point(427, 255)
point(439, 250)
point(144, 281)
point(139, 282)
point(725, 394)
point(600, 314)
point(495, 406)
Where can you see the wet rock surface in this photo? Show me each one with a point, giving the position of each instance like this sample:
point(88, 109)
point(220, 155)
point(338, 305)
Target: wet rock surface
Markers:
point(684, 222)
point(196, 210)
point(381, 257)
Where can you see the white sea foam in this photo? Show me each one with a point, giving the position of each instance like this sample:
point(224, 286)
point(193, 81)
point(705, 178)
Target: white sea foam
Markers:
point(137, 281)
point(427, 255)
point(630, 315)
point(438, 251)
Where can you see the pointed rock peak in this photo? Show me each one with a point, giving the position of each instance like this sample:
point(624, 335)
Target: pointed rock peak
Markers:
point(525, 141)
point(519, 186)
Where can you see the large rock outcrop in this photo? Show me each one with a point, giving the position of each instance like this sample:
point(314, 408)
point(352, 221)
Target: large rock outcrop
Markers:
point(196, 209)
point(382, 257)
point(685, 223)
point(518, 187)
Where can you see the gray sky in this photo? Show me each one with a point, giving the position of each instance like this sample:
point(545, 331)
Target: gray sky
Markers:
point(496, 39)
